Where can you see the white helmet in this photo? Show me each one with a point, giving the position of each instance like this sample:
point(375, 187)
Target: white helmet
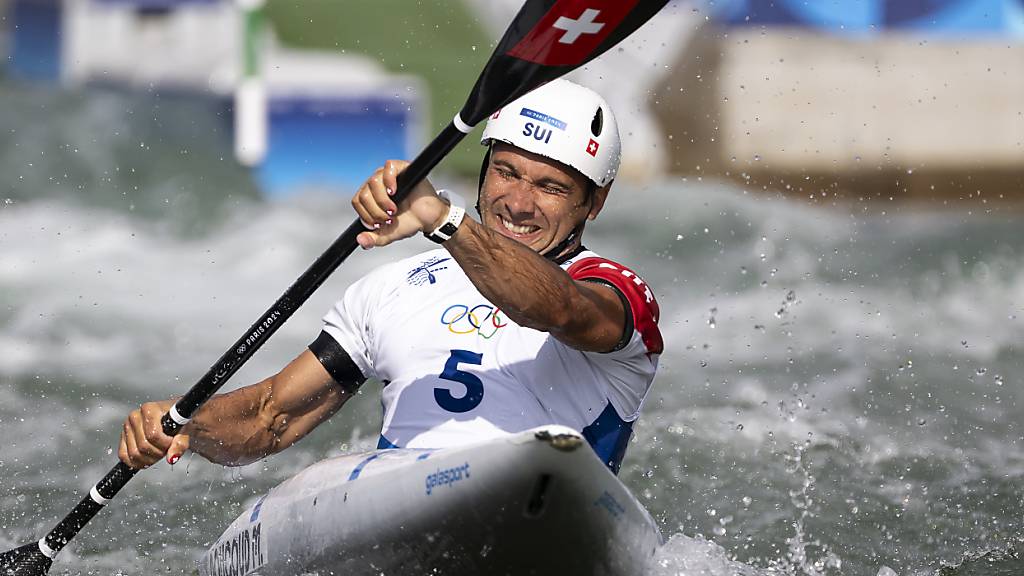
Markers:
point(565, 122)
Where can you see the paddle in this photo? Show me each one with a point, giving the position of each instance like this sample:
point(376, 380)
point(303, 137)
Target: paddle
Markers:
point(546, 39)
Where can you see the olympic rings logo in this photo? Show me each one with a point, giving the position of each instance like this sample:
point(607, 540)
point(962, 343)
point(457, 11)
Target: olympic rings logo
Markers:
point(483, 319)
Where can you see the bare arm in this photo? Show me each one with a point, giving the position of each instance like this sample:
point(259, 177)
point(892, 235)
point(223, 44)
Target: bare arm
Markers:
point(241, 426)
point(536, 293)
point(259, 420)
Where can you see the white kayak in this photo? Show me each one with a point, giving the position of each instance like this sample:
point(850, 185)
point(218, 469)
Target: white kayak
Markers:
point(538, 502)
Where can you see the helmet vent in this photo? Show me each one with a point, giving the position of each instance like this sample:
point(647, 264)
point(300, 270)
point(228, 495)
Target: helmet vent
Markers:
point(597, 123)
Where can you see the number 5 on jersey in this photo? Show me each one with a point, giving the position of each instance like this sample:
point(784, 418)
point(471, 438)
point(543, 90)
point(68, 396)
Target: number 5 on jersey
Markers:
point(474, 387)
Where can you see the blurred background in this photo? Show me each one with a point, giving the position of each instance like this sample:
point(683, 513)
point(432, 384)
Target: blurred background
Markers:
point(825, 196)
point(910, 100)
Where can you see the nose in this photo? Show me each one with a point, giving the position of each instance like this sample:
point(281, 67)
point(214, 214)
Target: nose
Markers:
point(519, 198)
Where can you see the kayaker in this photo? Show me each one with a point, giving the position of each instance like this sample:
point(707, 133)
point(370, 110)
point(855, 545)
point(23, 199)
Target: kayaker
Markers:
point(510, 324)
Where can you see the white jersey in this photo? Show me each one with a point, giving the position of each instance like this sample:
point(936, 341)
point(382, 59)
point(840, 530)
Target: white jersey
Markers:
point(456, 370)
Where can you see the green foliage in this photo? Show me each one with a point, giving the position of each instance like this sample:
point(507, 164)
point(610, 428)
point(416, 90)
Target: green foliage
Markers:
point(439, 41)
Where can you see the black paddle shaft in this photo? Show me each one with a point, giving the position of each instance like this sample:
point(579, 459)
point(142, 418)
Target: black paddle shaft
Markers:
point(544, 41)
point(254, 337)
point(304, 287)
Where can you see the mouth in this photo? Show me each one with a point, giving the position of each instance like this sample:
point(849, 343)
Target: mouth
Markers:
point(518, 230)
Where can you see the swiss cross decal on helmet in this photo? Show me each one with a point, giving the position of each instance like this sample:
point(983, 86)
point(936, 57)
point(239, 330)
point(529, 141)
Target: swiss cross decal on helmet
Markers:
point(563, 121)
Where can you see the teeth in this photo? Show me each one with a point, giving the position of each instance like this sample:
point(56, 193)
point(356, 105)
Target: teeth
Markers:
point(517, 229)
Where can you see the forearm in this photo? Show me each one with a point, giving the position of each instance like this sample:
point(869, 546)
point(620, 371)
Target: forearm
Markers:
point(250, 423)
point(232, 429)
point(529, 289)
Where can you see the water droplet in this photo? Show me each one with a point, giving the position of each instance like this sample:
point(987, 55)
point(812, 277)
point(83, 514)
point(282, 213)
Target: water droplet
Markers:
point(747, 500)
point(981, 371)
point(921, 421)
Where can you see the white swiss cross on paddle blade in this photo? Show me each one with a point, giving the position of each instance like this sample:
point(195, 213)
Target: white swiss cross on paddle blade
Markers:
point(576, 28)
point(571, 30)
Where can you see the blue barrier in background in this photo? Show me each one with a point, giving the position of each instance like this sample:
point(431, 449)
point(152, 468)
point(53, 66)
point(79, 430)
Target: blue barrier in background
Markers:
point(35, 39)
point(333, 142)
point(940, 17)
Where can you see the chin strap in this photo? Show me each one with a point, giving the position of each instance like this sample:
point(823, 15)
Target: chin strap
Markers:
point(555, 254)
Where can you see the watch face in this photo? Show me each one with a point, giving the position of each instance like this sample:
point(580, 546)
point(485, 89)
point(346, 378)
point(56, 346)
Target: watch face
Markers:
point(448, 229)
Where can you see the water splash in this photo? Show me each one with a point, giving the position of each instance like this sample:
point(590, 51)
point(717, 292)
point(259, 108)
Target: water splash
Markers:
point(1008, 561)
point(804, 557)
point(685, 556)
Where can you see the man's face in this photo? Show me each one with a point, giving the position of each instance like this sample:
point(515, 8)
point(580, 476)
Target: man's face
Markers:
point(534, 200)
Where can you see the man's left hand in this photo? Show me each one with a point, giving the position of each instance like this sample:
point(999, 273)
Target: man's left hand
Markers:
point(387, 222)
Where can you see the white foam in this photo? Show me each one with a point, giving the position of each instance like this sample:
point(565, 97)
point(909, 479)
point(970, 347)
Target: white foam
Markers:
point(682, 555)
point(117, 300)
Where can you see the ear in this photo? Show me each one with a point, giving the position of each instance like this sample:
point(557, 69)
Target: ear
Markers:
point(600, 195)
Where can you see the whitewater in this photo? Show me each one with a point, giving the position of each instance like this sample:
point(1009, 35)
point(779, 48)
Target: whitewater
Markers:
point(840, 391)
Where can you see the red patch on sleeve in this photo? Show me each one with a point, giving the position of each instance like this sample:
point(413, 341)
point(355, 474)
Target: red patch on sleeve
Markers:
point(641, 300)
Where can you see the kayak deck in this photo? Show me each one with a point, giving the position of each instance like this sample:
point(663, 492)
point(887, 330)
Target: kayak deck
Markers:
point(539, 502)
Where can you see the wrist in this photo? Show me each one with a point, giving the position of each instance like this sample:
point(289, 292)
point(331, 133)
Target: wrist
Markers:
point(443, 229)
point(443, 208)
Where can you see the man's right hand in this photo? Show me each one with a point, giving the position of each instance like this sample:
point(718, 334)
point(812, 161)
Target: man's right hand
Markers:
point(387, 222)
point(143, 441)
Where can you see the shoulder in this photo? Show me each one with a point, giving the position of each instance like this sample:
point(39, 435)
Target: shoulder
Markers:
point(383, 283)
point(414, 269)
point(589, 265)
point(421, 268)
point(634, 290)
